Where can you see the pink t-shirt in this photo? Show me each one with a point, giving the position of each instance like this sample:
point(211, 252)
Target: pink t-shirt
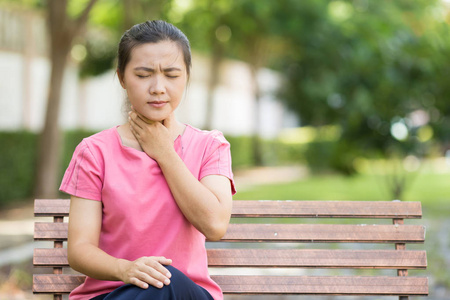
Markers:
point(140, 215)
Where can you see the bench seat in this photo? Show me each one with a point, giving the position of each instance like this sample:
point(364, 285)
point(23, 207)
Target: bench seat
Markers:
point(277, 235)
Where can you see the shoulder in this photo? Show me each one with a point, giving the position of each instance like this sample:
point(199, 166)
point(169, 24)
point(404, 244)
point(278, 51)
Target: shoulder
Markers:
point(206, 136)
point(99, 142)
point(101, 139)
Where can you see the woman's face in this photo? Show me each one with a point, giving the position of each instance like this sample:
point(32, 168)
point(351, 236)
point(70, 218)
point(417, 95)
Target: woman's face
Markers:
point(155, 79)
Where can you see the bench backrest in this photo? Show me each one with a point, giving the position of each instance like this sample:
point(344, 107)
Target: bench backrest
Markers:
point(277, 238)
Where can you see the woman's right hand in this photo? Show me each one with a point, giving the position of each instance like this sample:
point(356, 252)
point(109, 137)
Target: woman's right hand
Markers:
point(145, 271)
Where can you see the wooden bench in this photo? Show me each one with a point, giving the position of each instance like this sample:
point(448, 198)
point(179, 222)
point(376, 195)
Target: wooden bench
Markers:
point(276, 240)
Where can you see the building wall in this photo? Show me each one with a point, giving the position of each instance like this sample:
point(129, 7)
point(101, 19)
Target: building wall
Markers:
point(97, 103)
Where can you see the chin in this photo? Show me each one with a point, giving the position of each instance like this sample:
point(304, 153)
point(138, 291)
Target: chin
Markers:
point(156, 118)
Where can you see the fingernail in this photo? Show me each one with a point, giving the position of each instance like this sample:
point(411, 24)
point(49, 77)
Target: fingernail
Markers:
point(160, 284)
point(168, 275)
point(167, 282)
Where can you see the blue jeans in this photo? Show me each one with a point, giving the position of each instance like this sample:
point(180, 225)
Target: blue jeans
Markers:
point(180, 288)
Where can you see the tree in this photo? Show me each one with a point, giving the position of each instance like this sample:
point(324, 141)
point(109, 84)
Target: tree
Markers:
point(62, 31)
point(208, 33)
point(369, 68)
point(244, 29)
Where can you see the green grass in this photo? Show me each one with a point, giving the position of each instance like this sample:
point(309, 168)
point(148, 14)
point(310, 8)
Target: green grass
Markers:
point(432, 189)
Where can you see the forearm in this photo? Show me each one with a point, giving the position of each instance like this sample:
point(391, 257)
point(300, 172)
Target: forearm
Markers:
point(94, 262)
point(199, 204)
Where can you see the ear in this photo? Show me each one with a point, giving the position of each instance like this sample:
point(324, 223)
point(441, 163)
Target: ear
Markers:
point(121, 79)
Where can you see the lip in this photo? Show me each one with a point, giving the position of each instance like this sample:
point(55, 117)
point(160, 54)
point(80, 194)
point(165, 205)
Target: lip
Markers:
point(157, 104)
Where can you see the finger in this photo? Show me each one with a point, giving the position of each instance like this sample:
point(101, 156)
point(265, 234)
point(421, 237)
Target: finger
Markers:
point(143, 280)
point(148, 272)
point(135, 121)
point(139, 283)
point(152, 277)
point(163, 273)
point(134, 131)
point(164, 261)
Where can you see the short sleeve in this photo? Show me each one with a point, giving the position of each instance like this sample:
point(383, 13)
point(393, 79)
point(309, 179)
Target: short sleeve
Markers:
point(217, 159)
point(83, 177)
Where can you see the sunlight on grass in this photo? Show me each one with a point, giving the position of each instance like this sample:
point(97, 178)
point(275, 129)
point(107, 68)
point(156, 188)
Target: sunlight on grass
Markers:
point(432, 189)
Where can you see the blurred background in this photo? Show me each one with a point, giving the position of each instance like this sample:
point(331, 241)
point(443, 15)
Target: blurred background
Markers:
point(320, 99)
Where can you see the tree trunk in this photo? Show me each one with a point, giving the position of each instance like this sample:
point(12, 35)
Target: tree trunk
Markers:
point(256, 140)
point(62, 31)
point(50, 140)
point(214, 78)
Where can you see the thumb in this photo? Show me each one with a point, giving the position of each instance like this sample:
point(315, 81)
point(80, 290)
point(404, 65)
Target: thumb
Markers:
point(164, 261)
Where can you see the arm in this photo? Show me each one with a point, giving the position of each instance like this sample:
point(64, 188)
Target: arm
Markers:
point(85, 256)
point(205, 203)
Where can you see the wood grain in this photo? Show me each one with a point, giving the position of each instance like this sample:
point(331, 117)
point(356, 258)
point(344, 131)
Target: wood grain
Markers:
point(284, 208)
point(289, 285)
point(323, 285)
point(283, 258)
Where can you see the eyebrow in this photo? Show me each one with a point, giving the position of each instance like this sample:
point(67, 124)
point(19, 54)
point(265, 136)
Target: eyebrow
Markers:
point(152, 70)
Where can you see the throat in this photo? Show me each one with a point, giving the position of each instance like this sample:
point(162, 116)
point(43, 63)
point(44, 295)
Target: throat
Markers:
point(127, 138)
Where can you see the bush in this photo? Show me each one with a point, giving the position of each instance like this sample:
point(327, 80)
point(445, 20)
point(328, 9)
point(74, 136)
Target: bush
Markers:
point(71, 140)
point(241, 151)
point(274, 152)
point(18, 162)
point(18, 159)
point(336, 156)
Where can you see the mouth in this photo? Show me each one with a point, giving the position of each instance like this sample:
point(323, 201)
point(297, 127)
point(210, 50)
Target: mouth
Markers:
point(157, 104)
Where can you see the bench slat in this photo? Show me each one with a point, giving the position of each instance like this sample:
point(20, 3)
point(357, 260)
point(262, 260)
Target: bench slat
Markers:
point(318, 285)
point(283, 208)
point(48, 231)
point(51, 207)
point(315, 258)
point(61, 283)
point(268, 258)
point(304, 233)
point(326, 209)
point(327, 233)
point(323, 285)
point(50, 257)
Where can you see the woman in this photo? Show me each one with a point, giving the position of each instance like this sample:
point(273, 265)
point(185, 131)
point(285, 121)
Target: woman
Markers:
point(145, 194)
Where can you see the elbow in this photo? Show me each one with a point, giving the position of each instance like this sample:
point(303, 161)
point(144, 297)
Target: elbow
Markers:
point(71, 259)
point(216, 231)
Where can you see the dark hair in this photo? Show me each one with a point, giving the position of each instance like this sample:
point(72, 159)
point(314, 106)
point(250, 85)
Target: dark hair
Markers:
point(151, 32)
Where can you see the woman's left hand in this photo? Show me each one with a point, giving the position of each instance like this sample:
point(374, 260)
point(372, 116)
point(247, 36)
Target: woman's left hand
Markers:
point(154, 137)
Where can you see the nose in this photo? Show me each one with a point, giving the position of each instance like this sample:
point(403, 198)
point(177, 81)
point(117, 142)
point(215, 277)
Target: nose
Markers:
point(157, 86)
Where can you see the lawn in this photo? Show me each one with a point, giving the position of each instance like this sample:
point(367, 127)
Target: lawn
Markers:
point(432, 189)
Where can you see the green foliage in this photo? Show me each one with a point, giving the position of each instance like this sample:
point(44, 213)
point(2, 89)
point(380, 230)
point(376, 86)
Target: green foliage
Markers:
point(109, 19)
point(17, 164)
point(241, 154)
point(366, 67)
point(71, 140)
point(274, 152)
point(18, 158)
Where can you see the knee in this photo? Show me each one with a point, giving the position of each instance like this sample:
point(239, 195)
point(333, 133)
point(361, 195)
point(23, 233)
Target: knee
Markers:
point(177, 275)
